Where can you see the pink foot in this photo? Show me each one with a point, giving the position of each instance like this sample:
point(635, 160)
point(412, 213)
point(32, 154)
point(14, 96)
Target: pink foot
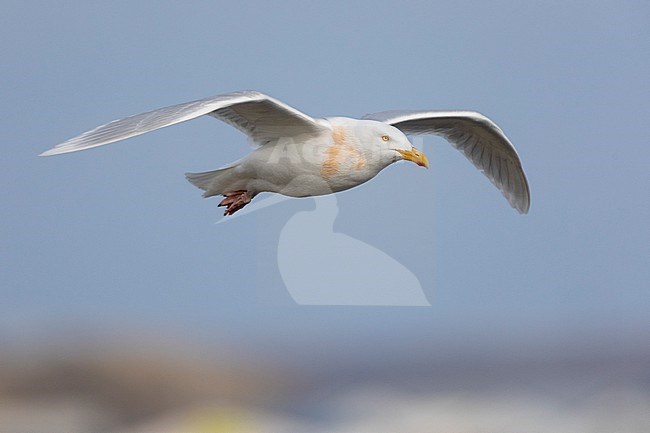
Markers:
point(235, 200)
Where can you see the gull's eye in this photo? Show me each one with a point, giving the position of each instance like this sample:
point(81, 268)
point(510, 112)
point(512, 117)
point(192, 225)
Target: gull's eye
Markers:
point(385, 137)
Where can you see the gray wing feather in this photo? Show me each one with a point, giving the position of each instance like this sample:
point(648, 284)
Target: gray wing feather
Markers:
point(259, 116)
point(478, 138)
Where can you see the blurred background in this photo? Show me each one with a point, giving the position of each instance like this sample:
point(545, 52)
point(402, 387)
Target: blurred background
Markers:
point(124, 308)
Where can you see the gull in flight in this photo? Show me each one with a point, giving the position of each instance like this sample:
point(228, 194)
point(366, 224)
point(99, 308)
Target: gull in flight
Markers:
point(299, 156)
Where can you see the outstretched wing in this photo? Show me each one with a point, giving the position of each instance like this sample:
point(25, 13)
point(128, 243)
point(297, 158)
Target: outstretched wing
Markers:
point(259, 116)
point(480, 139)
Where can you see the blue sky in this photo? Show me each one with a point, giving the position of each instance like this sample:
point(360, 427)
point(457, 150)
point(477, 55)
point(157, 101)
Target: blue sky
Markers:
point(115, 238)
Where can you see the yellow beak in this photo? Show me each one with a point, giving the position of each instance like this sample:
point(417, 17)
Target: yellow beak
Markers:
point(415, 156)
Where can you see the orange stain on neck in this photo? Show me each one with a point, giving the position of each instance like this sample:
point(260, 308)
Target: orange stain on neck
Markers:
point(338, 135)
point(341, 156)
point(331, 164)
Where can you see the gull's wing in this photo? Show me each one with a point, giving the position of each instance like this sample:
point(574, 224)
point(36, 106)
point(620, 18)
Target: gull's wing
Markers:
point(259, 116)
point(480, 139)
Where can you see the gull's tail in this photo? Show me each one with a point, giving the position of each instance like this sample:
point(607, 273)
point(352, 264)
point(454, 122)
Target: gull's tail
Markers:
point(213, 182)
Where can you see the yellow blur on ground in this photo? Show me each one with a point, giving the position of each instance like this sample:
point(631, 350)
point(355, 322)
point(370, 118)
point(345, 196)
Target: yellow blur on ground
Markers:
point(221, 420)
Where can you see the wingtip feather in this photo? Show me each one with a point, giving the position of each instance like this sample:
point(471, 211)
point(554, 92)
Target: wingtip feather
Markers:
point(49, 152)
point(57, 150)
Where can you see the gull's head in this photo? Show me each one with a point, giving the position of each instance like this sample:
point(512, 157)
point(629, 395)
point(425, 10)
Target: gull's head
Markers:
point(393, 145)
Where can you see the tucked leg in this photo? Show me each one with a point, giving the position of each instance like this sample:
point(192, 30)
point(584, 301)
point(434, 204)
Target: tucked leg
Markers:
point(235, 200)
